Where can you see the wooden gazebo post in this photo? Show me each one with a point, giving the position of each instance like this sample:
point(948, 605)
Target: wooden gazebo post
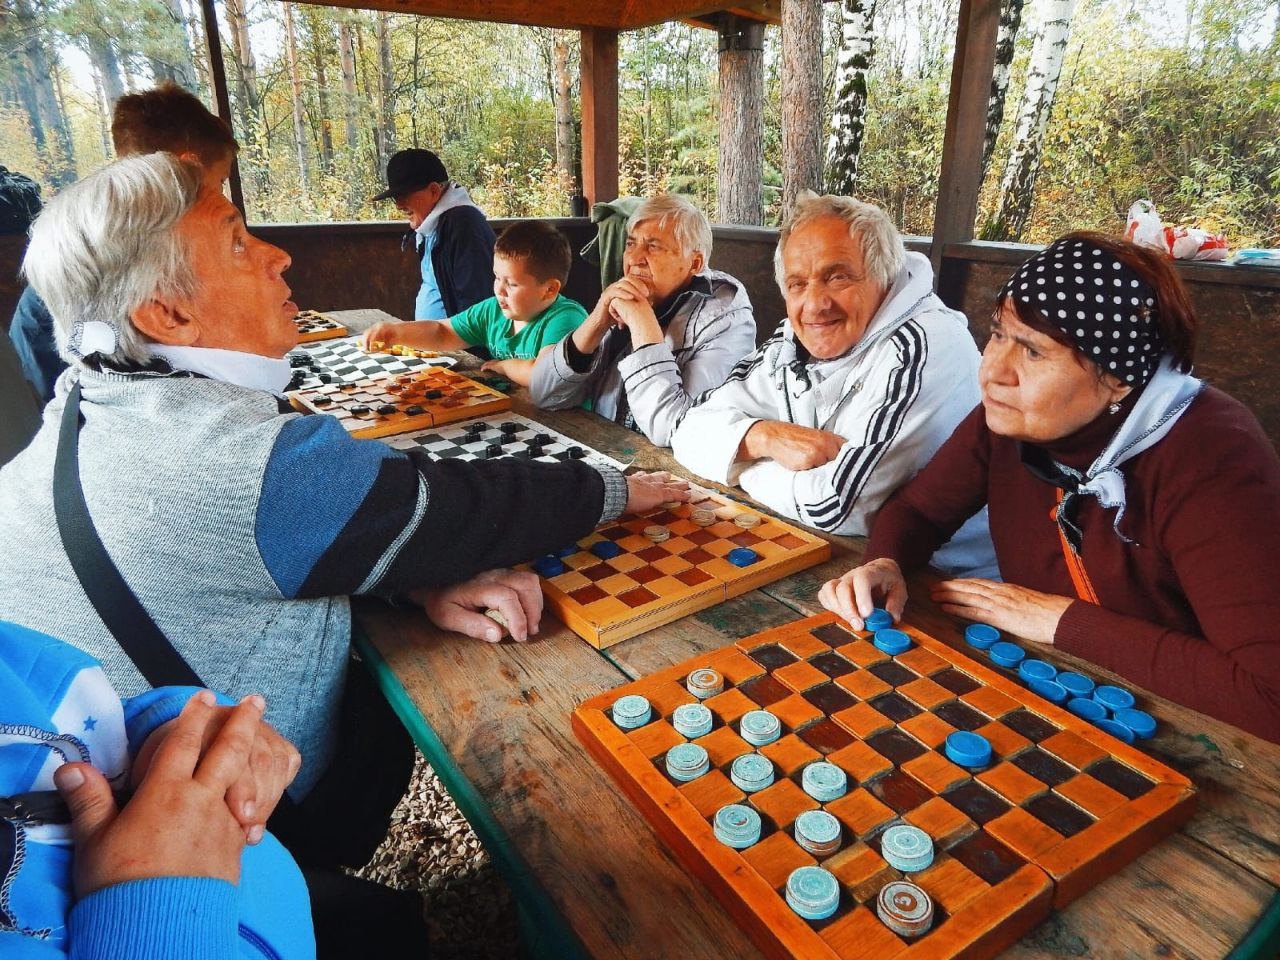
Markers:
point(599, 115)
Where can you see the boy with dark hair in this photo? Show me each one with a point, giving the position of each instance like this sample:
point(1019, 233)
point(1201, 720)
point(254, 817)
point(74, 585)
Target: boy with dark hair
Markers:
point(526, 314)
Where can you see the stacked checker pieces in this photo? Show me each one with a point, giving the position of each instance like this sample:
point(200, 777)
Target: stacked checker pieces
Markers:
point(660, 566)
point(509, 435)
point(1060, 806)
point(382, 406)
point(343, 360)
point(313, 325)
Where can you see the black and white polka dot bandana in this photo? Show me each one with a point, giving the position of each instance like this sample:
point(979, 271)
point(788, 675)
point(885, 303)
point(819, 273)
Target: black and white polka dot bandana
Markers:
point(1105, 308)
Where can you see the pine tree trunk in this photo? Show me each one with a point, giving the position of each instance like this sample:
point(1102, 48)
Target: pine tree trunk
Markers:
point(318, 28)
point(103, 111)
point(347, 60)
point(564, 110)
point(48, 122)
point(739, 191)
point(182, 70)
point(849, 115)
point(801, 98)
point(1006, 39)
point(246, 68)
point(1018, 185)
point(295, 81)
point(386, 90)
point(104, 59)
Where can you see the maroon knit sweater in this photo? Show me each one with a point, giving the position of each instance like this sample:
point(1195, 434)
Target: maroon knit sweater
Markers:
point(1190, 609)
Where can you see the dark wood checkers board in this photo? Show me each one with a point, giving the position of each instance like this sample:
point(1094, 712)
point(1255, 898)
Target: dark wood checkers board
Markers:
point(649, 584)
point(1061, 807)
point(313, 325)
point(382, 406)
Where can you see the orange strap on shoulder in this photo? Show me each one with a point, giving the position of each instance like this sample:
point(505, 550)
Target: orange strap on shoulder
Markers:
point(1075, 566)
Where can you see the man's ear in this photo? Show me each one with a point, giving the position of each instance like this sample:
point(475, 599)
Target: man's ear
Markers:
point(163, 323)
point(699, 262)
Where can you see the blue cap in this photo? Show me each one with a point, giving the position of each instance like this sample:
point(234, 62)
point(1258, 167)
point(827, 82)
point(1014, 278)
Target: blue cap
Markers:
point(1087, 709)
point(969, 750)
point(1114, 698)
point(549, 566)
point(1117, 730)
point(1051, 690)
point(878, 619)
point(742, 556)
point(891, 641)
point(981, 635)
point(605, 549)
point(1006, 654)
point(1140, 722)
point(1077, 684)
point(1030, 670)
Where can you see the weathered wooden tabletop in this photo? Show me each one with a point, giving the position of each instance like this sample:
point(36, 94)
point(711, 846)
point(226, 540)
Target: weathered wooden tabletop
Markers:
point(592, 877)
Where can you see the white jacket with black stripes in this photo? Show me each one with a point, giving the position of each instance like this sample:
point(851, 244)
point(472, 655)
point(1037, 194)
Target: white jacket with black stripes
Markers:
point(894, 398)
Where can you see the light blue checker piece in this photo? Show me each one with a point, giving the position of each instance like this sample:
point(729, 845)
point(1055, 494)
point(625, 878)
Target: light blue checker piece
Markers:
point(824, 781)
point(1077, 684)
point(1116, 729)
point(892, 642)
point(606, 549)
point(1006, 654)
point(813, 893)
point(687, 761)
point(759, 728)
point(1114, 698)
point(1087, 709)
point(817, 828)
point(981, 635)
point(1051, 690)
point(969, 750)
point(878, 619)
point(691, 720)
point(631, 711)
point(906, 848)
point(1030, 670)
point(1140, 722)
point(750, 772)
point(737, 826)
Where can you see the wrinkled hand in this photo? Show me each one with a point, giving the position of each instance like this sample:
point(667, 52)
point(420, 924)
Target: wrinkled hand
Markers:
point(273, 763)
point(461, 607)
point(795, 447)
point(177, 824)
point(648, 491)
point(385, 332)
point(638, 317)
point(1029, 614)
point(853, 595)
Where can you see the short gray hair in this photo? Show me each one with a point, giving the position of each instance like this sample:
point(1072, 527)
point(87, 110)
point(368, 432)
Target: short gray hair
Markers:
point(882, 248)
point(107, 244)
point(690, 225)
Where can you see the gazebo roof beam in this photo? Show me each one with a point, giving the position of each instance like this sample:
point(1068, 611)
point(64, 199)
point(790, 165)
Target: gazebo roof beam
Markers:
point(568, 14)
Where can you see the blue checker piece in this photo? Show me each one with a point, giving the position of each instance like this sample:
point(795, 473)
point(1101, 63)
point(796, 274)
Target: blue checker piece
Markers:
point(1117, 730)
point(742, 556)
point(737, 826)
point(1087, 709)
point(1077, 684)
point(813, 893)
point(549, 566)
point(1140, 722)
point(878, 619)
point(892, 642)
point(981, 635)
point(969, 750)
point(1051, 690)
point(1006, 654)
point(568, 551)
point(1030, 670)
point(606, 549)
point(1114, 698)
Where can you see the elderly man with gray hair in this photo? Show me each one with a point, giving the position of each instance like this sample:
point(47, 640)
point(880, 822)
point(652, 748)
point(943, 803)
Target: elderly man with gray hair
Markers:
point(867, 376)
point(666, 332)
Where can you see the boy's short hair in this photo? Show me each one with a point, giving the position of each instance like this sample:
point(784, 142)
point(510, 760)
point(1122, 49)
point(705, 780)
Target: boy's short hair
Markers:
point(544, 249)
point(171, 119)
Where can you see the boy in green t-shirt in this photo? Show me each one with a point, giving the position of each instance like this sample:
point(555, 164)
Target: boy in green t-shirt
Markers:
point(526, 315)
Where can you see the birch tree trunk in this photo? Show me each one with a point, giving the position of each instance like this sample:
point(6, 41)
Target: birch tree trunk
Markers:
point(564, 110)
point(347, 60)
point(801, 99)
point(386, 90)
point(1006, 38)
point(183, 68)
point(849, 115)
point(1018, 185)
point(295, 80)
point(321, 38)
point(43, 109)
point(104, 59)
point(739, 192)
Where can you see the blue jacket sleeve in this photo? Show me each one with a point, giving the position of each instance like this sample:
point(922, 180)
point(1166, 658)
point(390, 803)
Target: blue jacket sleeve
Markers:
point(165, 918)
point(31, 331)
point(148, 711)
point(463, 258)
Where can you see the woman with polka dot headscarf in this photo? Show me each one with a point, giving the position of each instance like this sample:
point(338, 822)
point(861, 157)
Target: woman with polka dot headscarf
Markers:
point(1135, 510)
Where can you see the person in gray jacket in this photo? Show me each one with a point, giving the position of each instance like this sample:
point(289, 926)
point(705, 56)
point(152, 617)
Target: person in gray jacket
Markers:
point(670, 330)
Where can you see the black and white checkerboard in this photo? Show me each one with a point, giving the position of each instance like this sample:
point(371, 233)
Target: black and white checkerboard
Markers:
point(342, 361)
point(502, 435)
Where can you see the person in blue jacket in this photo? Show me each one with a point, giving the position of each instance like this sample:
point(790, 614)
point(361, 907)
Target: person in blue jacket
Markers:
point(133, 829)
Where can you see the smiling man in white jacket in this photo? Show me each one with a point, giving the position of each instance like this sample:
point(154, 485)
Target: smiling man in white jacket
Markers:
point(864, 380)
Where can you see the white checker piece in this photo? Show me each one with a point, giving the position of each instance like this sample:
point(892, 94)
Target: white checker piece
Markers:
point(342, 360)
point(456, 441)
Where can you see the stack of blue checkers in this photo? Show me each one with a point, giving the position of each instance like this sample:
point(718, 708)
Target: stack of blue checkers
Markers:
point(878, 620)
point(906, 848)
point(737, 826)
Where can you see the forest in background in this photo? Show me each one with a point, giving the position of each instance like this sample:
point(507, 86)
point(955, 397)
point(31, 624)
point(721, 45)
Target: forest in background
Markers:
point(1107, 102)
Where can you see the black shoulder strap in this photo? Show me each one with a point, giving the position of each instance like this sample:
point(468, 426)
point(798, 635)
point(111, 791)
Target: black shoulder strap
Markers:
point(126, 618)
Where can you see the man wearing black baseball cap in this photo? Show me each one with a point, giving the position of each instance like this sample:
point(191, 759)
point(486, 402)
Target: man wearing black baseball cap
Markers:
point(452, 235)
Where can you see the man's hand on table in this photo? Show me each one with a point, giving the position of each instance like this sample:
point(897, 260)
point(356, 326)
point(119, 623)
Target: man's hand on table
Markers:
point(795, 447)
point(648, 491)
point(854, 595)
point(461, 607)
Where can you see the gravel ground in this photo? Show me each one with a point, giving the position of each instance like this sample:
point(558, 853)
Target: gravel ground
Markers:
point(432, 849)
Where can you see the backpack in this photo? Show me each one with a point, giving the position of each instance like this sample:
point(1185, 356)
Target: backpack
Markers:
point(19, 201)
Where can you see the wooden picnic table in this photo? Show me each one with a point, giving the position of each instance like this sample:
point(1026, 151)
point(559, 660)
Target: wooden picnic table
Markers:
point(590, 876)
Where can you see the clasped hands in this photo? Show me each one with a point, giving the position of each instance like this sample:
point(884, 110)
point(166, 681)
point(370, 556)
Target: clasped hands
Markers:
point(624, 303)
